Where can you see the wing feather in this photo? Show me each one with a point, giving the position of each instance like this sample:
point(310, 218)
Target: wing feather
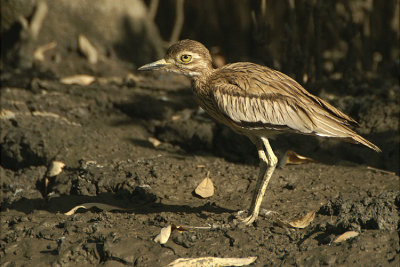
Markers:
point(260, 80)
point(253, 96)
point(250, 111)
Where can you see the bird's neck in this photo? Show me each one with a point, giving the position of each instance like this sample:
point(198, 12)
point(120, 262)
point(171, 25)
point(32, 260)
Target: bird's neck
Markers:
point(199, 81)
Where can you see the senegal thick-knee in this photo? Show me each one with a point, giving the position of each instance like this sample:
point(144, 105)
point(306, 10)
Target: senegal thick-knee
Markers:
point(258, 102)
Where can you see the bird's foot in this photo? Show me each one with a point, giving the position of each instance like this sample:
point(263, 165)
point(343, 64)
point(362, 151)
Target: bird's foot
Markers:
point(242, 220)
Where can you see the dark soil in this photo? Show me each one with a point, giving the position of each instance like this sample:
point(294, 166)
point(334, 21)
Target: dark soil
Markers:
point(101, 133)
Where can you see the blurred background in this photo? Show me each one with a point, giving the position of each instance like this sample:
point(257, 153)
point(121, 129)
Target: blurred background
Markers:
point(345, 51)
point(309, 39)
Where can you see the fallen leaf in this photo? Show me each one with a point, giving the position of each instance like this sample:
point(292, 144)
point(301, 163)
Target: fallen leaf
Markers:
point(292, 157)
point(163, 236)
point(6, 114)
point(46, 184)
point(178, 228)
point(301, 222)
point(345, 236)
point(55, 168)
point(101, 206)
point(37, 19)
point(88, 49)
point(38, 54)
point(154, 141)
point(211, 261)
point(79, 79)
point(205, 189)
point(176, 117)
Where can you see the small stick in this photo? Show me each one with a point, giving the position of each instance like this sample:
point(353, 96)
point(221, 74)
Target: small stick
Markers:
point(179, 18)
point(153, 9)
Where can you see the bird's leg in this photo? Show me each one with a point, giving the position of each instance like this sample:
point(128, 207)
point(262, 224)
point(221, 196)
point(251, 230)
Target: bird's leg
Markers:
point(268, 163)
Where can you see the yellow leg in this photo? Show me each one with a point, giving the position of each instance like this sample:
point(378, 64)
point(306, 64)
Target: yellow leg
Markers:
point(268, 163)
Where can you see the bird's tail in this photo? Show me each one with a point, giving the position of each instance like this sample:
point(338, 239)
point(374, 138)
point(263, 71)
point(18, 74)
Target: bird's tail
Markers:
point(330, 126)
point(359, 139)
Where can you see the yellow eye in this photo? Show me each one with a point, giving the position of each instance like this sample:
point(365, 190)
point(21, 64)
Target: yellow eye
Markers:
point(185, 58)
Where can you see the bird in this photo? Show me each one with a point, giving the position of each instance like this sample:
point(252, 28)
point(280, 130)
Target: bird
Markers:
point(258, 102)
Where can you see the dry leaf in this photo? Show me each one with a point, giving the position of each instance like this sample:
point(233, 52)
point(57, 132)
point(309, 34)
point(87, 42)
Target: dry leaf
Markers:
point(46, 184)
point(88, 49)
point(79, 79)
point(292, 157)
point(176, 117)
point(6, 114)
point(301, 222)
point(101, 206)
point(211, 261)
point(163, 236)
point(155, 142)
point(304, 221)
point(345, 236)
point(38, 54)
point(178, 228)
point(55, 168)
point(205, 188)
point(37, 19)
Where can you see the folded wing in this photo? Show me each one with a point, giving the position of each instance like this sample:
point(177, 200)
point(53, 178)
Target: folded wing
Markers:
point(277, 102)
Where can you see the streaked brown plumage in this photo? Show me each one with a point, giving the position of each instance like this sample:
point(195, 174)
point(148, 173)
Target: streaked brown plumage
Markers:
point(258, 102)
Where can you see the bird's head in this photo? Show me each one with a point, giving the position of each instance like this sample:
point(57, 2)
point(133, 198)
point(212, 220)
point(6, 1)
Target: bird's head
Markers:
point(186, 57)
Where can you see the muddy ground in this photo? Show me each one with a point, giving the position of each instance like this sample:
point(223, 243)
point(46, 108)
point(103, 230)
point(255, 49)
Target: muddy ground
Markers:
point(101, 132)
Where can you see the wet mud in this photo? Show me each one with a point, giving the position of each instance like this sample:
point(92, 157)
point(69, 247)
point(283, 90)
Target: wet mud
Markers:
point(101, 132)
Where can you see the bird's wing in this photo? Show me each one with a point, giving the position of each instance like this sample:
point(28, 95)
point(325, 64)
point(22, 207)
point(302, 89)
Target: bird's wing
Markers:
point(296, 90)
point(271, 111)
point(261, 80)
point(258, 97)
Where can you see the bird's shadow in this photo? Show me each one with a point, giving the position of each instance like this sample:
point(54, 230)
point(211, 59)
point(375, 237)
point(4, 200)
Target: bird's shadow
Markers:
point(142, 205)
point(237, 148)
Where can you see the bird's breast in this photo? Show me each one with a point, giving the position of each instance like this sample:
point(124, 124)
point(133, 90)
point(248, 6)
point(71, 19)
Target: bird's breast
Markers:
point(206, 101)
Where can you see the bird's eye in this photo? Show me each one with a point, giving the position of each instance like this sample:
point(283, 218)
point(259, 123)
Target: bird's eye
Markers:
point(185, 58)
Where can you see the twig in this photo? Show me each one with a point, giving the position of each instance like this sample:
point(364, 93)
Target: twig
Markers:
point(88, 49)
point(179, 19)
point(38, 54)
point(380, 170)
point(38, 18)
point(263, 7)
point(153, 9)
